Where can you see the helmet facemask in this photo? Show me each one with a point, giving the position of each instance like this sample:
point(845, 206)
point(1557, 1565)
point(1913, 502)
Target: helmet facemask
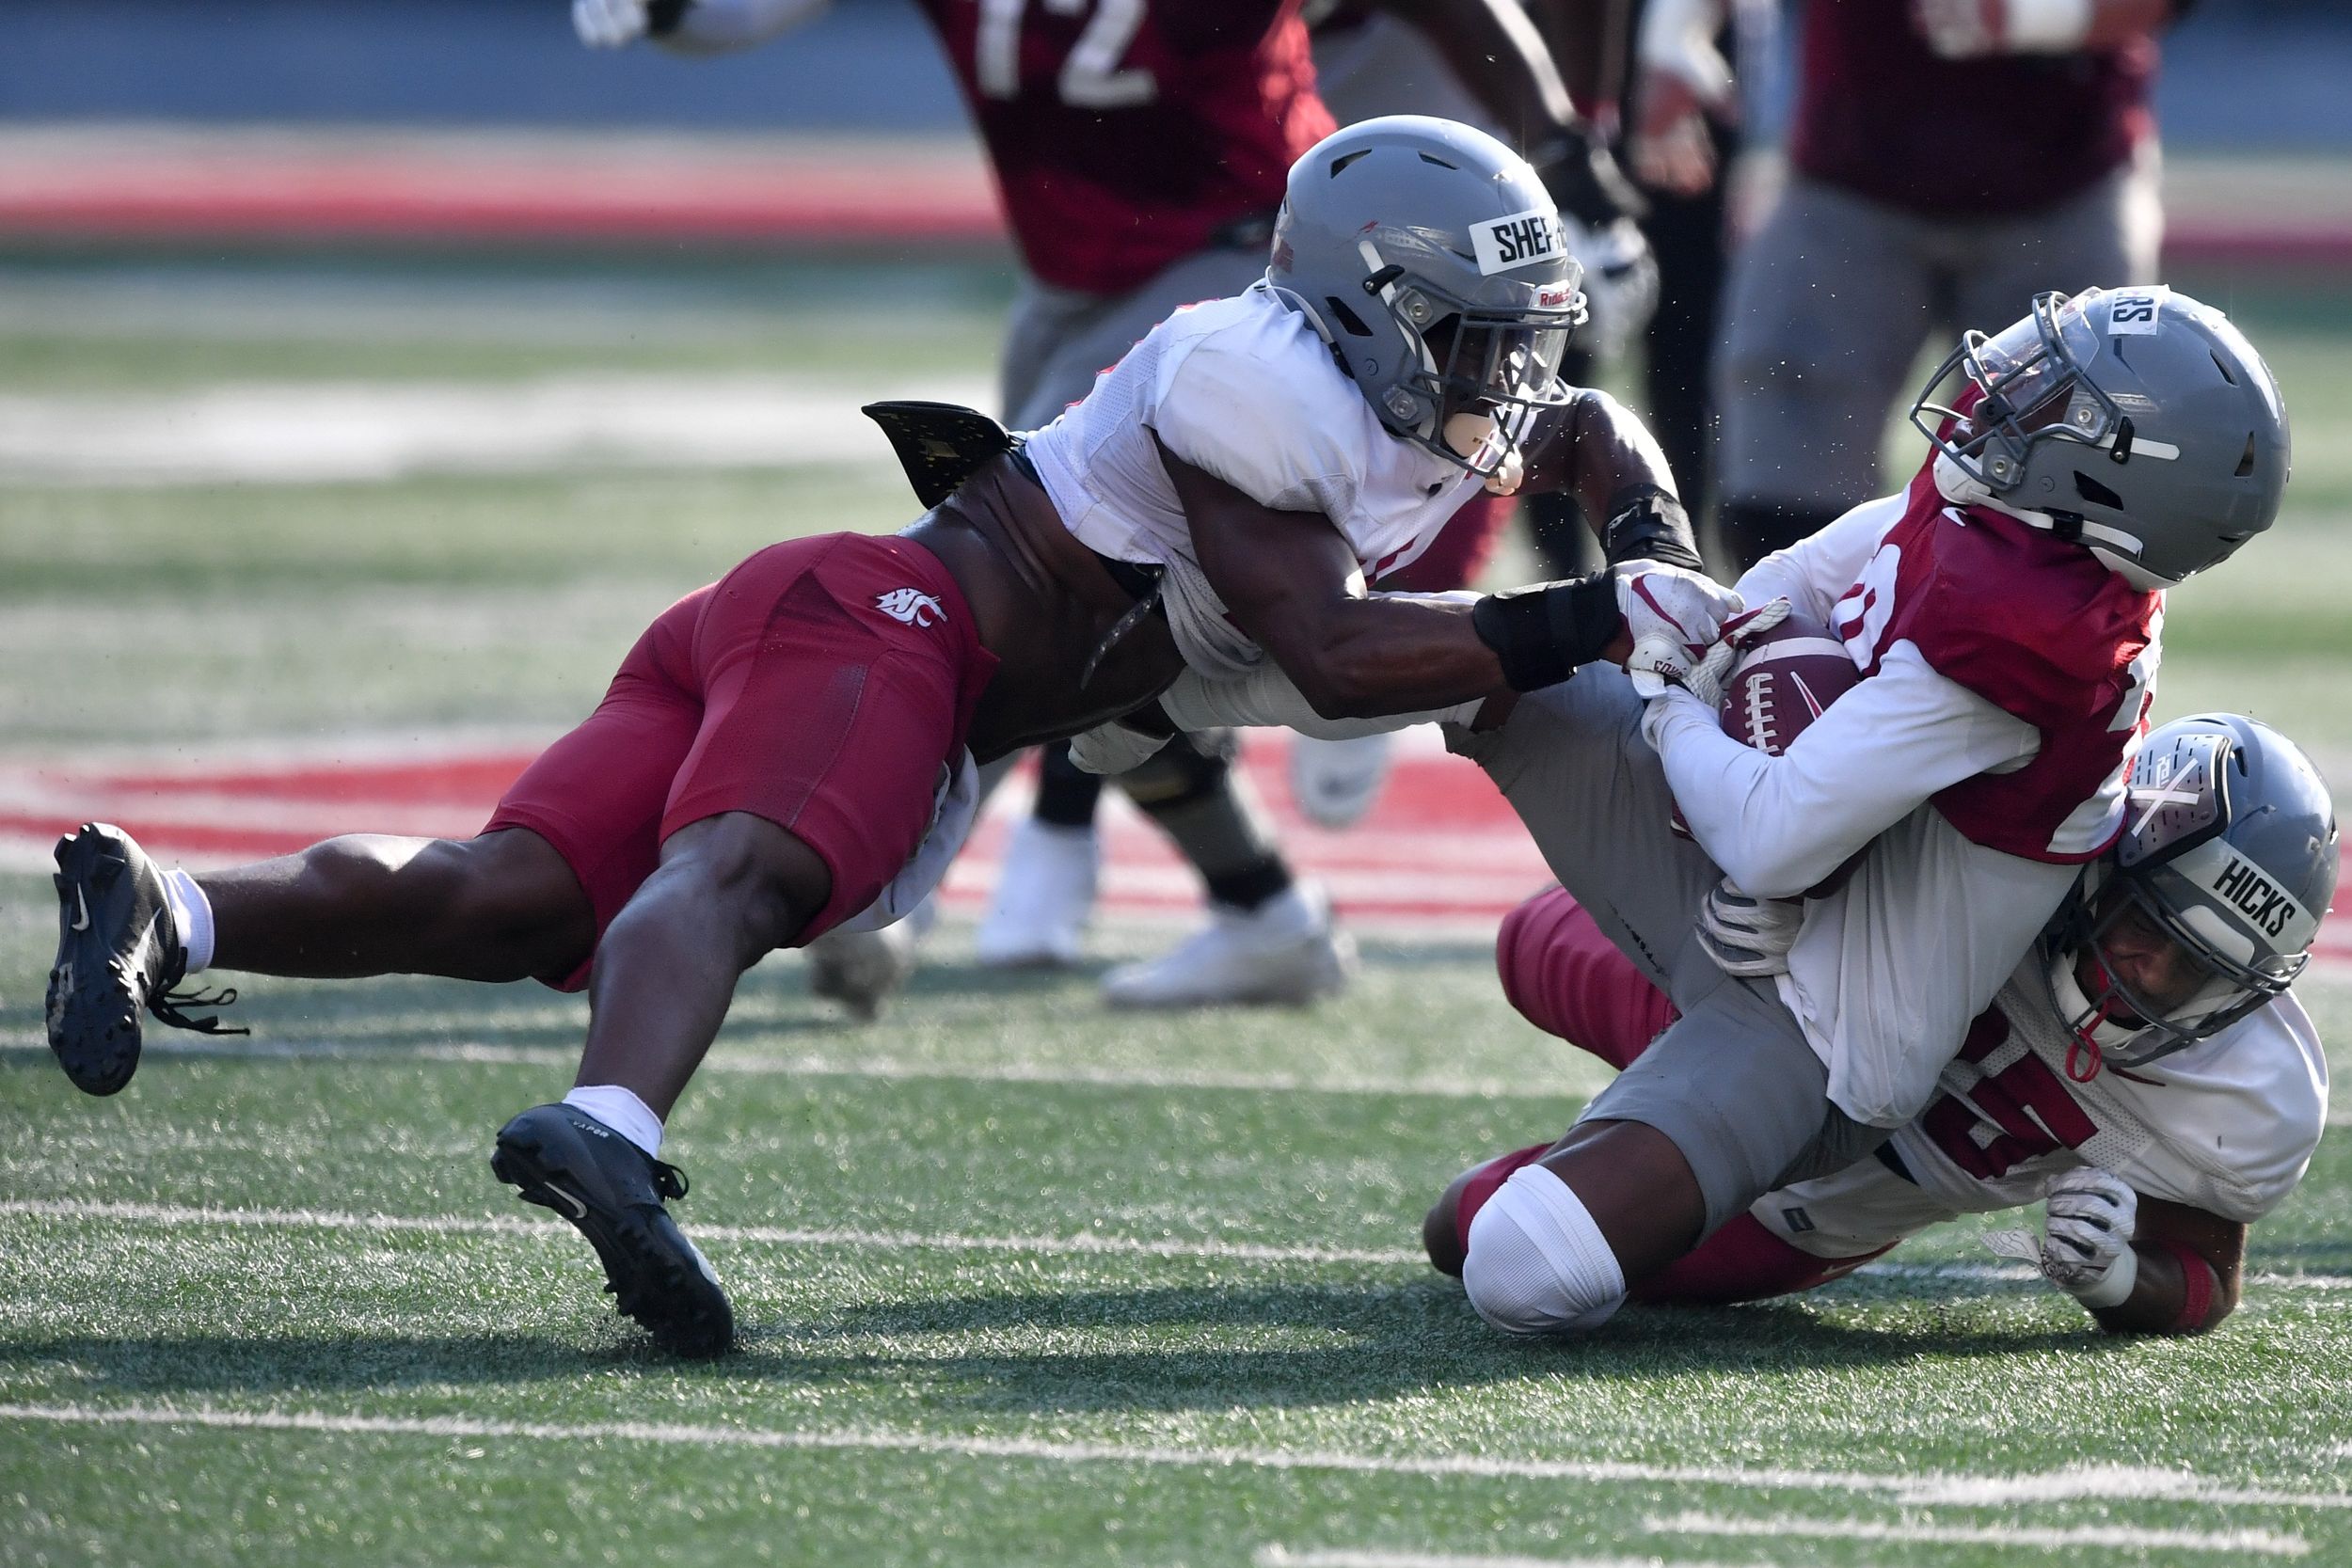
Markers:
point(2033, 385)
point(2187, 989)
point(1479, 371)
point(2206, 908)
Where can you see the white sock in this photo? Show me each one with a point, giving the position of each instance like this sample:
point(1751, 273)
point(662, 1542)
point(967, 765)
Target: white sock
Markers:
point(191, 916)
point(621, 1111)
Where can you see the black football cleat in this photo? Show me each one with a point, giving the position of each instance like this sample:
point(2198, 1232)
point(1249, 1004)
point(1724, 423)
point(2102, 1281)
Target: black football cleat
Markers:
point(118, 956)
point(611, 1191)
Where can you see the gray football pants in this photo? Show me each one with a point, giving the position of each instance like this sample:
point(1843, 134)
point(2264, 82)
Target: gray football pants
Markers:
point(1828, 305)
point(1733, 1082)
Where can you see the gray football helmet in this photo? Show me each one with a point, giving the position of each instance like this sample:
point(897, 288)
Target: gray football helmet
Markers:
point(2139, 420)
point(1431, 258)
point(2230, 849)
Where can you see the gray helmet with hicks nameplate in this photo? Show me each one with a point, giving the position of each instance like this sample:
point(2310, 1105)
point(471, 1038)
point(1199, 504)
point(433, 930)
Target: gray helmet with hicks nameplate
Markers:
point(1431, 258)
point(2230, 848)
point(2138, 419)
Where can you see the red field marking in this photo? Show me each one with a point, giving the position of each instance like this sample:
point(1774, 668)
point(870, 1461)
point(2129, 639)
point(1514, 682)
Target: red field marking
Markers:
point(1440, 853)
point(245, 187)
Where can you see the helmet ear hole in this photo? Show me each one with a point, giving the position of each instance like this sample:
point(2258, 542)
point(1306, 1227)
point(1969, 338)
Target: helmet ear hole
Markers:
point(2097, 494)
point(1346, 318)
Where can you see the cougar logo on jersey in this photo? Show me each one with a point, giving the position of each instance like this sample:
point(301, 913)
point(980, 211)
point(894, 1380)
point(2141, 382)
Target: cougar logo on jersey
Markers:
point(912, 606)
point(1518, 241)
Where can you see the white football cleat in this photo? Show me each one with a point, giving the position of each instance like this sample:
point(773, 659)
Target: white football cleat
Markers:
point(1334, 782)
point(1045, 897)
point(860, 969)
point(1286, 951)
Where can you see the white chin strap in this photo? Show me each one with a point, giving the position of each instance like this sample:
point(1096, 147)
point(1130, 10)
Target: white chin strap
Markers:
point(1962, 488)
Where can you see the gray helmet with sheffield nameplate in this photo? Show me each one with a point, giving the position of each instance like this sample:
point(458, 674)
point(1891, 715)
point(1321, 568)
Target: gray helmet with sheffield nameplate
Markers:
point(2139, 420)
point(2228, 848)
point(1431, 258)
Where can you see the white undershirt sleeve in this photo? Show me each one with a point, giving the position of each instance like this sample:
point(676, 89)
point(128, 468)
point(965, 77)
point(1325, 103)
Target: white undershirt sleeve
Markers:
point(1779, 825)
point(1813, 573)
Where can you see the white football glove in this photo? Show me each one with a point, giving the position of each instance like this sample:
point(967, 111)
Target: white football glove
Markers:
point(1706, 678)
point(2086, 1246)
point(1673, 616)
point(1972, 29)
point(608, 24)
point(1113, 748)
point(1747, 936)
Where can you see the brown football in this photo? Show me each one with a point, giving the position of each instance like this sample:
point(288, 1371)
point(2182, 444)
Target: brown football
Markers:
point(1783, 682)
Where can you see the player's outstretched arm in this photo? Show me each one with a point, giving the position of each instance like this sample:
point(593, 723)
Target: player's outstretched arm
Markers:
point(1291, 582)
point(1600, 450)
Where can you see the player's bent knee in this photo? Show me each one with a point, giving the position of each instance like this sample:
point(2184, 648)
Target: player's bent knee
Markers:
point(1536, 1261)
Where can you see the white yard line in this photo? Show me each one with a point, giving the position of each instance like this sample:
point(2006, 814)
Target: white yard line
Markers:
point(1081, 1245)
point(453, 1224)
point(2048, 1539)
point(328, 432)
point(474, 1052)
point(2183, 1487)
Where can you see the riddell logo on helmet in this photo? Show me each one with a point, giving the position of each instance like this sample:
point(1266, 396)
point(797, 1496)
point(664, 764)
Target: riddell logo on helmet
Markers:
point(1549, 298)
point(1520, 240)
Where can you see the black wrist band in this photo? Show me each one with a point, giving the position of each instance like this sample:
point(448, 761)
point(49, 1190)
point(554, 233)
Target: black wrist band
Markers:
point(663, 16)
point(1541, 634)
point(1646, 523)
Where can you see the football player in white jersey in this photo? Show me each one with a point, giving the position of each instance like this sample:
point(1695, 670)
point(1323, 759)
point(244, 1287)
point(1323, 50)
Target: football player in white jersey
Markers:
point(2145, 1071)
point(793, 750)
point(2005, 608)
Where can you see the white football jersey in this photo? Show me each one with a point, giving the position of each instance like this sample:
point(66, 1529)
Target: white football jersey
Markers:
point(1242, 389)
point(2227, 1126)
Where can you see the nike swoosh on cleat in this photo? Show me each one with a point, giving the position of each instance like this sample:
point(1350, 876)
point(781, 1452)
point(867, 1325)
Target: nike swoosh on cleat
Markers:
point(580, 1209)
point(81, 917)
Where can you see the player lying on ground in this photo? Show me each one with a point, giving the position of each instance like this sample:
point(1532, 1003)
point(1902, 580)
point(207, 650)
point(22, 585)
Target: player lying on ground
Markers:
point(2146, 1070)
point(794, 745)
point(2008, 648)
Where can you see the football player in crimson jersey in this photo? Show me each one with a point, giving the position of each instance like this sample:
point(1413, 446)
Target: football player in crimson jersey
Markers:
point(1140, 149)
point(2145, 1070)
point(2004, 608)
point(794, 746)
point(1887, 232)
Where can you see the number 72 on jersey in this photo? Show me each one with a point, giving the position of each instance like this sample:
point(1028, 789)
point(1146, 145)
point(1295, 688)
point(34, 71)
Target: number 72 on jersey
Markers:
point(1090, 76)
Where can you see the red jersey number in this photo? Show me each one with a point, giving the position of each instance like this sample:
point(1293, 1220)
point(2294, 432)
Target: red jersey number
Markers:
point(1092, 77)
point(2026, 1101)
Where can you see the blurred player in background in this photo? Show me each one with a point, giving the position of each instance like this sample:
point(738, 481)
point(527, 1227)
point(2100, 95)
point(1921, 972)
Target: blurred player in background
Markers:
point(1948, 160)
point(1140, 150)
point(2146, 1070)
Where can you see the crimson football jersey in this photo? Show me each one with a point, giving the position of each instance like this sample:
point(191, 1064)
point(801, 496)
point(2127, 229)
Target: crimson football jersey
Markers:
point(1880, 113)
point(1127, 135)
point(2041, 629)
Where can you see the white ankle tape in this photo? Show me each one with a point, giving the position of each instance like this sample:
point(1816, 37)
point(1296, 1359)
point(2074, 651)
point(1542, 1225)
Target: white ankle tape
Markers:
point(621, 1111)
point(191, 918)
point(1536, 1261)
